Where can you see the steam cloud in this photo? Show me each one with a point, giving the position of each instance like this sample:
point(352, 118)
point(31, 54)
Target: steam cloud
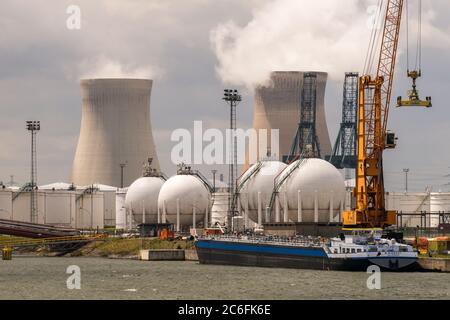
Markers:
point(325, 35)
point(103, 67)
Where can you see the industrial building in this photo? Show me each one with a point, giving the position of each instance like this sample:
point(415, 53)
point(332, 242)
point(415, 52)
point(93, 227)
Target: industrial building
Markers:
point(115, 136)
point(278, 105)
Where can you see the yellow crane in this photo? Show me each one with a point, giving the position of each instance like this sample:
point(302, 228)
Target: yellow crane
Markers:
point(373, 136)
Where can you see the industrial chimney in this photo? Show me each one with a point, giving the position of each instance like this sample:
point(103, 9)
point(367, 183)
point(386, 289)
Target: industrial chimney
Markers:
point(115, 136)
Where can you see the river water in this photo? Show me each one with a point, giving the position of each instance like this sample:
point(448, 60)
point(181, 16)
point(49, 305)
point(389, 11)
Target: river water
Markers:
point(45, 278)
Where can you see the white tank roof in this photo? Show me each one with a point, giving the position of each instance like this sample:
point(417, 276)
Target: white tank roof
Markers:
point(101, 187)
point(56, 186)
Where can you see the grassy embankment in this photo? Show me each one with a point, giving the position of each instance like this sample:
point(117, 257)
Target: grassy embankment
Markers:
point(129, 247)
point(437, 256)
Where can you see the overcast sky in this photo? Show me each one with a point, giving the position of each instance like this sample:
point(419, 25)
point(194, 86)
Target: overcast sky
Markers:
point(193, 49)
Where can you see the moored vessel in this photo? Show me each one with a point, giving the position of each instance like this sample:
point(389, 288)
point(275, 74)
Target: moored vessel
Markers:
point(347, 253)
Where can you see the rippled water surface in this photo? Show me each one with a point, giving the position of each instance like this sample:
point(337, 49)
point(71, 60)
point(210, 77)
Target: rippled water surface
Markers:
point(45, 278)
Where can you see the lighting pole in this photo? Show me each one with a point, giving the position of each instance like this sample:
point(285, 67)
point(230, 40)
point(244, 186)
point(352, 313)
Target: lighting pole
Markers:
point(33, 127)
point(214, 171)
point(406, 171)
point(232, 97)
point(122, 167)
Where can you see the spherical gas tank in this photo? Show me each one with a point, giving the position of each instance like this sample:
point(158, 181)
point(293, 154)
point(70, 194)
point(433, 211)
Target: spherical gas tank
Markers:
point(311, 183)
point(189, 194)
point(143, 195)
point(258, 179)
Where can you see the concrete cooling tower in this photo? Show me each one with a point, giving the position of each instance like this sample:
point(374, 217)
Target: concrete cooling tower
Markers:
point(115, 136)
point(278, 106)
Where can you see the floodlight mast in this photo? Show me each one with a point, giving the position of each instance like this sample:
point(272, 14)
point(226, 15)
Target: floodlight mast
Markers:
point(34, 127)
point(232, 97)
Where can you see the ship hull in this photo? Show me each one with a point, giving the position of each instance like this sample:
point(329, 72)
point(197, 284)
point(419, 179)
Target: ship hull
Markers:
point(274, 256)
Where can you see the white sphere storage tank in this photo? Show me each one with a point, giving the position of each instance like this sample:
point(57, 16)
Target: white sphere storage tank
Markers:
point(185, 200)
point(310, 190)
point(142, 196)
point(256, 187)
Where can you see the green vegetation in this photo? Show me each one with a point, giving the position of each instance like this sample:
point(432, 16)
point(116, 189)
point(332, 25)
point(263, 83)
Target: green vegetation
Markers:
point(129, 247)
point(437, 256)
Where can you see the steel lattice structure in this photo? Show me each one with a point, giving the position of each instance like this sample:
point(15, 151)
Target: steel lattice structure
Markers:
point(306, 143)
point(344, 150)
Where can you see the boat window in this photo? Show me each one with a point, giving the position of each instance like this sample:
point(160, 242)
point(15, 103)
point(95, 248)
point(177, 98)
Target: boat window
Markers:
point(353, 250)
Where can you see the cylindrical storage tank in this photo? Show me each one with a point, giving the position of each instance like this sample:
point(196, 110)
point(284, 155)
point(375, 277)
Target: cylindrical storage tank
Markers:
point(256, 187)
point(312, 189)
point(409, 202)
point(142, 196)
point(439, 203)
point(219, 209)
point(183, 195)
point(121, 211)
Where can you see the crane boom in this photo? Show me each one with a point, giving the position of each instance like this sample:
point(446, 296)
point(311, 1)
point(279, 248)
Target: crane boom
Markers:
point(373, 138)
point(388, 54)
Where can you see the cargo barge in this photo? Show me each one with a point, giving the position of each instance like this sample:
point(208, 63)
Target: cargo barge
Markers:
point(347, 253)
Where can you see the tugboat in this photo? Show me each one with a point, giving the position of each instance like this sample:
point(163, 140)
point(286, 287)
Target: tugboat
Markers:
point(345, 253)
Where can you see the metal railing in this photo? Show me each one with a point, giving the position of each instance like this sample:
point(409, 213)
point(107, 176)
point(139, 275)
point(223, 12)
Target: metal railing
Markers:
point(18, 242)
point(304, 242)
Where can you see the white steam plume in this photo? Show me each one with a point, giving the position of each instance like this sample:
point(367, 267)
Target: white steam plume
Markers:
point(325, 35)
point(103, 67)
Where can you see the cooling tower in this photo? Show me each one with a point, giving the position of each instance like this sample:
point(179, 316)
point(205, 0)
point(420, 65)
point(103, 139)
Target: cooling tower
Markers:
point(115, 136)
point(278, 105)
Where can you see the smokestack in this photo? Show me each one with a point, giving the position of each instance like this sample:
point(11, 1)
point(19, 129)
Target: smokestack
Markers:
point(115, 136)
point(278, 105)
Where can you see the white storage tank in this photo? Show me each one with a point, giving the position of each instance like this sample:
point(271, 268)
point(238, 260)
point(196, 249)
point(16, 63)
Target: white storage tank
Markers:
point(439, 203)
point(255, 187)
point(185, 199)
point(407, 203)
point(142, 196)
point(310, 190)
point(121, 211)
point(219, 209)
